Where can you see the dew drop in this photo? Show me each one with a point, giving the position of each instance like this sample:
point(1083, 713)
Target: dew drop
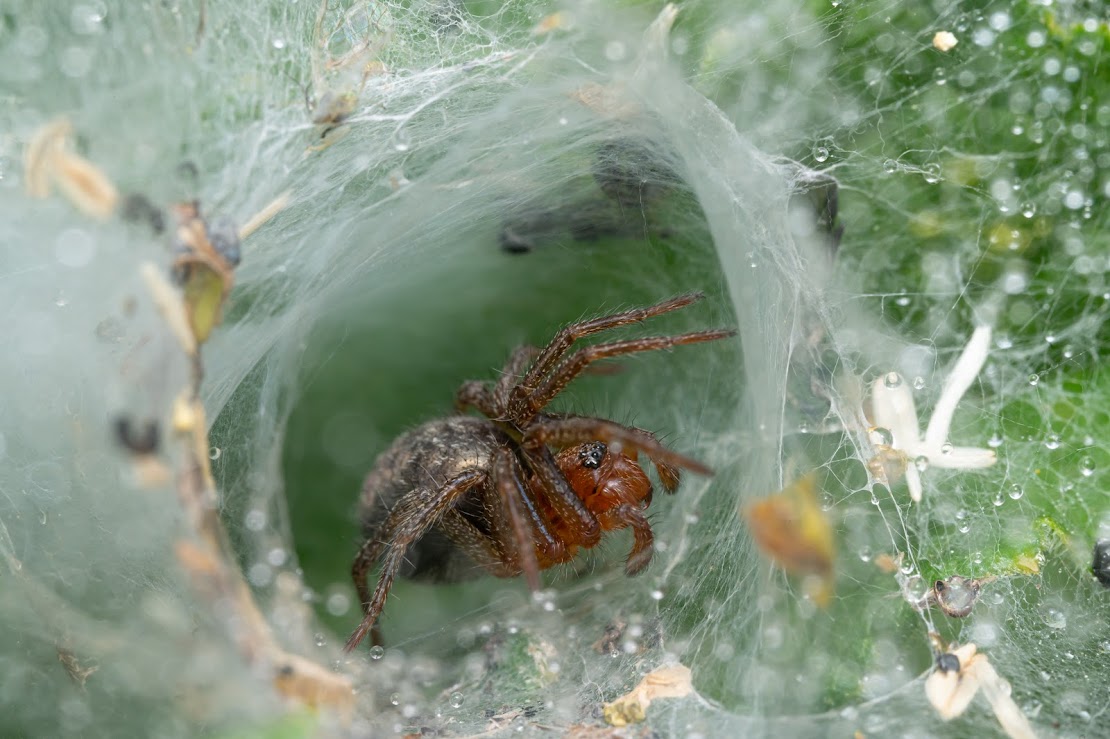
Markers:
point(865, 554)
point(821, 153)
point(456, 699)
point(338, 604)
point(880, 436)
point(890, 166)
point(1087, 466)
point(214, 453)
point(1055, 619)
point(931, 173)
point(657, 595)
point(998, 499)
point(1034, 379)
point(1016, 492)
point(946, 449)
point(377, 652)
point(395, 699)
point(319, 639)
point(921, 463)
point(995, 441)
point(919, 383)
point(401, 141)
point(892, 380)
point(1052, 442)
point(962, 524)
point(1028, 209)
point(255, 520)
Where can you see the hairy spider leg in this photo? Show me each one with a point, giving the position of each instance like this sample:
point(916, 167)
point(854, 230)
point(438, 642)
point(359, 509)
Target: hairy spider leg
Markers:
point(417, 512)
point(516, 527)
point(476, 394)
point(566, 372)
point(510, 485)
point(567, 335)
point(630, 516)
point(568, 431)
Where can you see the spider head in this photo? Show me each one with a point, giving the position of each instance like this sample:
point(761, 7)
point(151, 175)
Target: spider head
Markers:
point(604, 477)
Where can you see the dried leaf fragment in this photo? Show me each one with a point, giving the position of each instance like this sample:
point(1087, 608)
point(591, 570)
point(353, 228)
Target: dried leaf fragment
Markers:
point(673, 681)
point(790, 528)
point(944, 41)
point(959, 675)
point(49, 159)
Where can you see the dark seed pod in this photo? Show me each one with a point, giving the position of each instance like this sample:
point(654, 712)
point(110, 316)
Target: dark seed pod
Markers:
point(224, 237)
point(138, 209)
point(141, 440)
point(948, 662)
point(1101, 566)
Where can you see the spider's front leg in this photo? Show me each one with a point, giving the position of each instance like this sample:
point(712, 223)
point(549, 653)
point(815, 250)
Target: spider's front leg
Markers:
point(630, 516)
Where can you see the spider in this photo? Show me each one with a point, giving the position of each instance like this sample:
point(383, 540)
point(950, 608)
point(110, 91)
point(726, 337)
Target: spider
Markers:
point(519, 490)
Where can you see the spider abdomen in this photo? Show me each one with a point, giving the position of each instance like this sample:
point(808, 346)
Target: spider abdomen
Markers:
point(423, 459)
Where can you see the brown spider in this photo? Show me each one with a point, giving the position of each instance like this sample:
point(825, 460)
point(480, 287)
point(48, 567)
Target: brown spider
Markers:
point(519, 490)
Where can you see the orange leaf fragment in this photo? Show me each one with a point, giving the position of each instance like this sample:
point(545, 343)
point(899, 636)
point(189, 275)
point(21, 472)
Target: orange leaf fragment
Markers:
point(790, 528)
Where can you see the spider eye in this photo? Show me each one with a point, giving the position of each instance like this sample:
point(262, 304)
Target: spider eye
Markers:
point(591, 455)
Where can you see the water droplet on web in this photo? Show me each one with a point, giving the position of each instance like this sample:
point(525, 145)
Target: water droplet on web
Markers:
point(1052, 442)
point(874, 497)
point(377, 652)
point(214, 453)
point(61, 300)
point(1054, 618)
point(1087, 466)
point(820, 153)
point(319, 639)
point(880, 436)
point(401, 140)
point(657, 595)
point(892, 380)
point(998, 499)
point(931, 173)
point(995, 441)
point(865, 554)
point(946, 449)
point(1028, 209)
point(902, 301)
point(961, 521)
point(395, 699)
point(919, 383)
point(279, 43)
point(890, 166)
point(1015, 492)
point(255, 520)
point(1034, 379)
point(338, 604)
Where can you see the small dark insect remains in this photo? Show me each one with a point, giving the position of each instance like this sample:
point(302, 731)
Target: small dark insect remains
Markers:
point(519, 490)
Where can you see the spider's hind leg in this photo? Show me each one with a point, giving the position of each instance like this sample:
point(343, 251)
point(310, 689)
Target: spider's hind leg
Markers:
point(413, 515)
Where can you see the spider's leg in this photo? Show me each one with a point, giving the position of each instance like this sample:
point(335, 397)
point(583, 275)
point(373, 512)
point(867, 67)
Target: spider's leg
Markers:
point(559, 495)
point(511, 374)
point(475, 394)
point(554, 351)
point(417, 512)
point(365, 560)
point(631, 516)
point(568, 431)
point(530, 404)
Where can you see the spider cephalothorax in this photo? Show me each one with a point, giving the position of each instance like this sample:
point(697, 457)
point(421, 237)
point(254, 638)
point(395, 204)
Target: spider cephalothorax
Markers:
point(519, 490)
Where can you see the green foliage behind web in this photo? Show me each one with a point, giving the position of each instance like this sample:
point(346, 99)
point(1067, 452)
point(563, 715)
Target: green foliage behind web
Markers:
point(972, 188)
